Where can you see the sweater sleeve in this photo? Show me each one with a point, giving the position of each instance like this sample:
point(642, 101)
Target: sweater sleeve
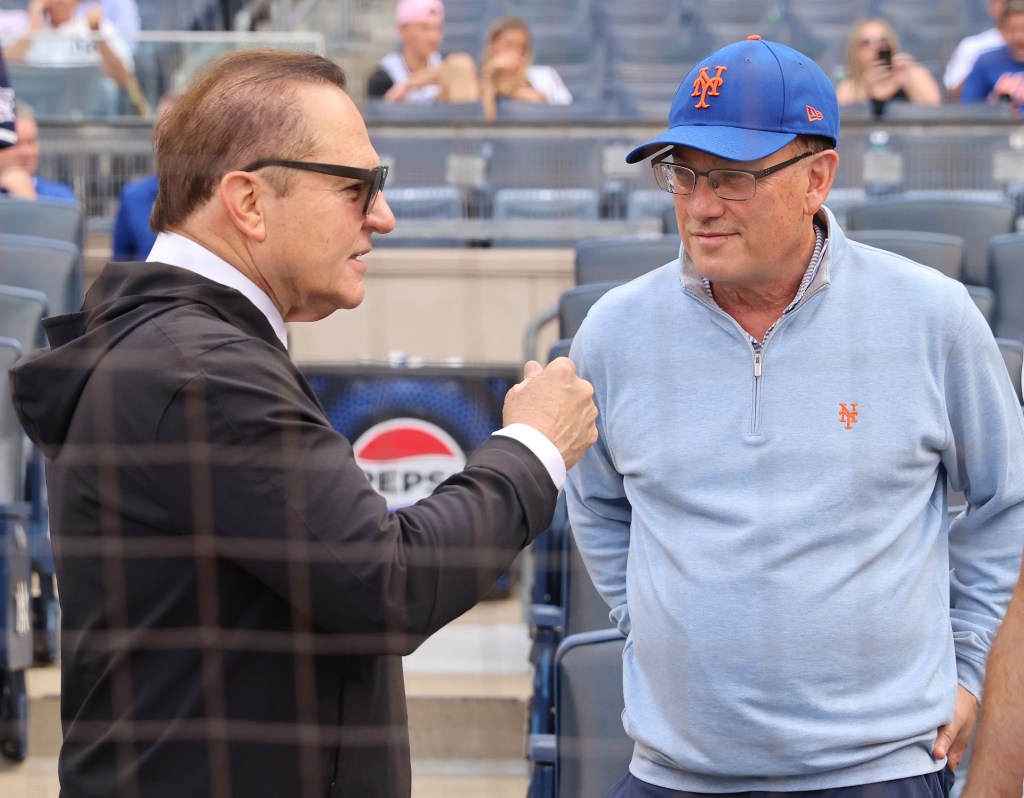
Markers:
point(268, 482)
point(985, 459)
point(599, 512)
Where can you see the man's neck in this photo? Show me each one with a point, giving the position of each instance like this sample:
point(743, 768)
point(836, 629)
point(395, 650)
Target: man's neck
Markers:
point(757, 308)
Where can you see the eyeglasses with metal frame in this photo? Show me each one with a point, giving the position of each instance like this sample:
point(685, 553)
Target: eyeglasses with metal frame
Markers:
point(735, 185)
point(375, 177)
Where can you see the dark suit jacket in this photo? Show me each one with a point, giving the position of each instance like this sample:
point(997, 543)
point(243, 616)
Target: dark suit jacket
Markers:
point(235, 595)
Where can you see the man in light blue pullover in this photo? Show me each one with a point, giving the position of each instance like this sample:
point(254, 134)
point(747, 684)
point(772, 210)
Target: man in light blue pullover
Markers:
point(765, 511)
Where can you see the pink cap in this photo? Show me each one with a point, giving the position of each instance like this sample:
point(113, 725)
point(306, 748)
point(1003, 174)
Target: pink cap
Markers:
point(410, 11)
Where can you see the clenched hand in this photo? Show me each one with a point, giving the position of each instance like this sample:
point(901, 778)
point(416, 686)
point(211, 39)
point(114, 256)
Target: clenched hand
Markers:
point(557, 403)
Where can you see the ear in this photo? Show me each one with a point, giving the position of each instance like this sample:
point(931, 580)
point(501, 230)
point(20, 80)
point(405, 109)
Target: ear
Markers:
point(241, 194)
point(820, 177)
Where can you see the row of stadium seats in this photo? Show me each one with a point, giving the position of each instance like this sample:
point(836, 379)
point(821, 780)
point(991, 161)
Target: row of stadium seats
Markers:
point(40, 275)
point(612, 49)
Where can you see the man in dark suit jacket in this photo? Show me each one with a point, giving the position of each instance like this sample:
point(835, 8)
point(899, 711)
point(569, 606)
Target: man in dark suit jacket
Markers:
point(236, 596)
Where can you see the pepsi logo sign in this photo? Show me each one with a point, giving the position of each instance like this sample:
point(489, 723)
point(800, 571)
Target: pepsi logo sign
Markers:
point(406, 458)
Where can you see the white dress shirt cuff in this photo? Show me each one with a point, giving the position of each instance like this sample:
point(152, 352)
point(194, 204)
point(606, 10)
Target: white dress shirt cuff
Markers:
point(538, 443)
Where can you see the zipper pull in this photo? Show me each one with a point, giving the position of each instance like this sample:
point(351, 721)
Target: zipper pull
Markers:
point(757, 364)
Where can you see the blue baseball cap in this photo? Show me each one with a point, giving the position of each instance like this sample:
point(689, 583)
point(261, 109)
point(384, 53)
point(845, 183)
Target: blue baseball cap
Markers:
point(746, 101)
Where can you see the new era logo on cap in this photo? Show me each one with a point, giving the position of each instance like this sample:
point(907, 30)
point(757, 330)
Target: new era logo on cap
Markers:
point(752, 98)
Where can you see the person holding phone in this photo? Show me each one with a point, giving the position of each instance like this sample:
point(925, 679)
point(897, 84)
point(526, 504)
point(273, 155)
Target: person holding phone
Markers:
point(877, 71)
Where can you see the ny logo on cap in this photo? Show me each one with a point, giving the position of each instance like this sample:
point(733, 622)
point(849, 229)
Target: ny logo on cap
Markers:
point(705, 86)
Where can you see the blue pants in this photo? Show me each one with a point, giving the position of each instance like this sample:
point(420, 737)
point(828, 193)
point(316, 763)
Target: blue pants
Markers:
point(929, 785)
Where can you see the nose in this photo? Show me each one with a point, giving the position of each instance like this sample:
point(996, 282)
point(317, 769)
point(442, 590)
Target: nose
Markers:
point(380, 219)
point(702, 202)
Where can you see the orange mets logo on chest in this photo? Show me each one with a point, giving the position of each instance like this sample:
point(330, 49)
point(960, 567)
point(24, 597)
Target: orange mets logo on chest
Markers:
point(848, 414)
point(706, 86)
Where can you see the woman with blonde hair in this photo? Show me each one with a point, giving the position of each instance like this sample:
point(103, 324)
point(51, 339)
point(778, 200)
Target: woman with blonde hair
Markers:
point(507, 69)
point(877, 71)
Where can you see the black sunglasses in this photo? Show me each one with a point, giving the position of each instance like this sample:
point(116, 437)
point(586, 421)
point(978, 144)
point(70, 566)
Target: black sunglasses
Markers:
point(374, 177)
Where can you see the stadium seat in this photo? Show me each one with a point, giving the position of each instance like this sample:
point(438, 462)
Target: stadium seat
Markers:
point(614, 15)
point(581, 109)
point(1006, 278)
point(42, 264)
point(544, 205)
point(537, 13)
point(589, 751)
point(438, 203)
point(1013, 357)
point(45, 218)
point(574, 304)
point(620, 259)
point(591, 748)
point(938, 250)
point(976, 220)
point(51, 268)
point(15, 575)
point(821, 30)
point(65, 92)
point(380, 111)
point(15, 621)
point(12, 440)
point(728, 21)
point(649, 203)
point(985, 299)
point(21, 314)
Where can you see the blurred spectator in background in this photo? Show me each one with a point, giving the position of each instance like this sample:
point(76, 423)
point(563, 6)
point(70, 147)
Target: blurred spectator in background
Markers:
point(66, 33)
point(20, 162)
point(418, 73)
point(122, 14)
point(8, 134)
point(878, 72)
point(506, 69)
point(968, 50)
point(133, 237)
point(998, 75)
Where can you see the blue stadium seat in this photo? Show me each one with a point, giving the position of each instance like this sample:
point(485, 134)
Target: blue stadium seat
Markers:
point(575, 303)
point(943, 252)
point(424, 203)
point(544, 205)
point(21, 314)
point(67, 92)
point(540, 12)
point(728, 21)
point(15, 575)
point(42, 264)
point(589, 750)
point(379, 111)
point(45, 218)
point(1013, 357)
point(1006, 279)
point(620, 259)
point(821, 30)
point(974, 219)
point(648, 203)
